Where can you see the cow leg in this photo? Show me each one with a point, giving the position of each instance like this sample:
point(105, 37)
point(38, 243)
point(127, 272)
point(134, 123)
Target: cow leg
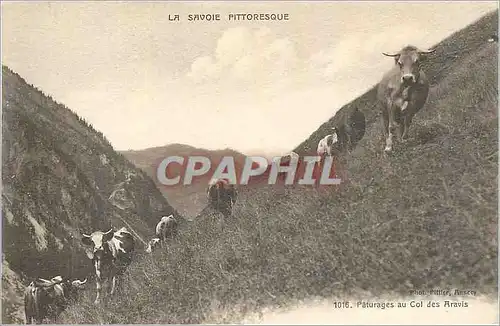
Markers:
point(348, 137)
point(113, 285)
point(98, 288)
point(394, 126)
point(385, 123)
point(400, 129)
point(389, 140)
point(385, 131)
point(407, 122)
point(32, 320)
point(347, 145)
point(98, 296)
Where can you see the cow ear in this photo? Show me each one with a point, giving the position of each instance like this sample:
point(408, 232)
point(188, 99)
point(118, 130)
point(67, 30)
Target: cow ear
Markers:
point(86, 239)
point(108, 235)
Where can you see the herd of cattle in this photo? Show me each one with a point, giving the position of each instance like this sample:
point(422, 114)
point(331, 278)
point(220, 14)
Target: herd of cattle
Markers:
point(401, 94)
point(111, 253)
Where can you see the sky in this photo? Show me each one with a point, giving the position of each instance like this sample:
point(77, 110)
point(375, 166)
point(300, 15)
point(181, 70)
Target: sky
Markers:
point(145, 81)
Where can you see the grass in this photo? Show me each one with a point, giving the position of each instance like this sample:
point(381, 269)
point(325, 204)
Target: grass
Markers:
point(423, 218)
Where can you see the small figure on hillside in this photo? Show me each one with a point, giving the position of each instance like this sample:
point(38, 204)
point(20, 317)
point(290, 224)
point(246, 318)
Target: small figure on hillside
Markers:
point(222, 196)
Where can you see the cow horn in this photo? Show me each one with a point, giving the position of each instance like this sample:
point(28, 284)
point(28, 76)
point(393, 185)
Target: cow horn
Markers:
point(426, 51)
point(390, 55)
point(78, 282)
point(86, 239)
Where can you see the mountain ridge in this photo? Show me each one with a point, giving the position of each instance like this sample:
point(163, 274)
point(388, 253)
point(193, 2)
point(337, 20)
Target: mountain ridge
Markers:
point(61, 178)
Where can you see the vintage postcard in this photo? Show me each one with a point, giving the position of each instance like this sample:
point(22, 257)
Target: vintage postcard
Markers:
point(264, 162)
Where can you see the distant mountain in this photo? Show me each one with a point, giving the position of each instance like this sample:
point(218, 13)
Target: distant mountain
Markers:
point(189, 199)
point(61, 178)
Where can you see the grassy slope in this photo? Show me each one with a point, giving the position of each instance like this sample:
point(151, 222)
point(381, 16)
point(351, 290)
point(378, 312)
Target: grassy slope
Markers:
point(191, 199)
point(425, 218)
point(57, 177)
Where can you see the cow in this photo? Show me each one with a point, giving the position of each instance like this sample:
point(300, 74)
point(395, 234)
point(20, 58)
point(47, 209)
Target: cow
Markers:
point(402, 92)
point(222, 196)
point(46, 299)
point(328, 144)
point(166, 228)
point(349, 126)
point(286, 160)
point(292, 156)
point(153, 244)
point(111, 253)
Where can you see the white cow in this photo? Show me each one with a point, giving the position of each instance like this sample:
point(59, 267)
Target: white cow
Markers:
point(325, 145)
point(166, 228)
point(111, 253)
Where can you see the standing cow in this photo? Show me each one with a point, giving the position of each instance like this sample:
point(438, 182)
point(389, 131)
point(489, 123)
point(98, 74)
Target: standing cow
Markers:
point(222, 196)
point(111, 253)
point(46, 299)
point(166, 228)
point(402, 92)
point(328, 145)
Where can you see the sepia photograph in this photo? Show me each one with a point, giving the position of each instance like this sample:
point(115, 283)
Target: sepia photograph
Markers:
point(249, 162)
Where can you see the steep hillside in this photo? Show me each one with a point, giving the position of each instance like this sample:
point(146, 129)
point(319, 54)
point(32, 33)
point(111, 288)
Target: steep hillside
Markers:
point(449, 53)
point(60, 178)
point(189, 200)
point(425, 218)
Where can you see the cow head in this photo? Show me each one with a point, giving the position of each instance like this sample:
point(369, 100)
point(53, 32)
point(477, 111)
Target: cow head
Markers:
point(335, 138)
point(96, 243)
point(153, 243)
point(221, 184)
point(408, 61)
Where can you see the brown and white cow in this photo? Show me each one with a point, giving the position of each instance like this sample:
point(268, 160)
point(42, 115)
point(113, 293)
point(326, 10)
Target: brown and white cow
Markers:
point(402, 92)
point(46, 299)
point(165, 229)
point(111, 253)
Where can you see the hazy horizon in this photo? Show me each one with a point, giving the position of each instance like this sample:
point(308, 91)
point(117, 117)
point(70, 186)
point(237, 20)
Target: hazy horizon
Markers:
point(251, 86)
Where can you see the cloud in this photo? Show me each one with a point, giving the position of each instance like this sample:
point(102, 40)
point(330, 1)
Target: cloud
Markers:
point(247, 57)
point(355, 62)
point(203, 69)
